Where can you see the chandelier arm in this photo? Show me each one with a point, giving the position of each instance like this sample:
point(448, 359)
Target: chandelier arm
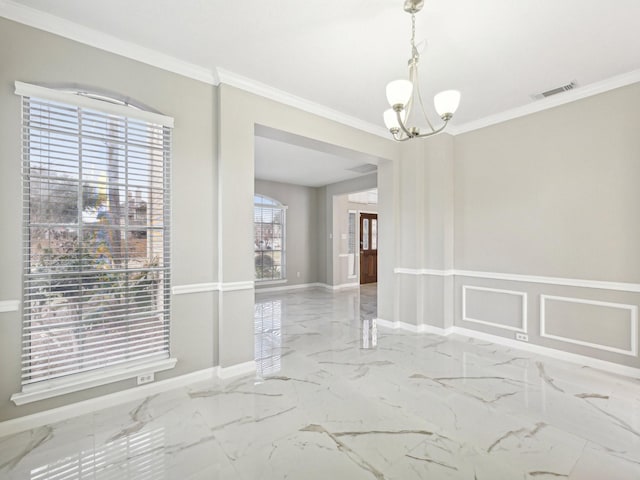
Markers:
point(402, 125)
point(402, 139)
point(424, 112)
point(434, 132)
point(398, 137)
point(422, 135)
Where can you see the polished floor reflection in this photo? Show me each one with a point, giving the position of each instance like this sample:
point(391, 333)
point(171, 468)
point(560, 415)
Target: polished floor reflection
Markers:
point(336, 396)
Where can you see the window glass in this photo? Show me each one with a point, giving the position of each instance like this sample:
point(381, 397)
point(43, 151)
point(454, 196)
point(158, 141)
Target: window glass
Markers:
point(374, 234)
point(269, 238)
point(351, 244)
point(365, 234)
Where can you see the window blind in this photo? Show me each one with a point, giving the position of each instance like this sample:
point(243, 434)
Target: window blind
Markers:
point(96, 238)
point(269, 238)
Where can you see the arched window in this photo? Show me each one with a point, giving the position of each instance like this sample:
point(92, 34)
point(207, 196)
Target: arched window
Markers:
point(269, 238)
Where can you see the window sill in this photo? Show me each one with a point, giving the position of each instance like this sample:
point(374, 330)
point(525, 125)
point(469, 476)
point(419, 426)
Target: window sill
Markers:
point(54, 388)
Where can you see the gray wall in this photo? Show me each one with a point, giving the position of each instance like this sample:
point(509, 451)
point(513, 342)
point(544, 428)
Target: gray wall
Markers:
point(550, 199)
point(425, 233)
point(302, 229)
point(554, 194)
point(313, 248)
point(33, 56)
point(239, 113)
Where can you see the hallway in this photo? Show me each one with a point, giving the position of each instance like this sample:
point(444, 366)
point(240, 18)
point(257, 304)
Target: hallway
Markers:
point(336, 397)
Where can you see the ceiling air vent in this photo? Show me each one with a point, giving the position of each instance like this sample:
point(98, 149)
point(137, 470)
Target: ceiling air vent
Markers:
point(364, 168)
point(555, 91)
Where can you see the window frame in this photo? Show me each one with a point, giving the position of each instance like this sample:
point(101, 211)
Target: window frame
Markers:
point(272, 204)
point(128, 368)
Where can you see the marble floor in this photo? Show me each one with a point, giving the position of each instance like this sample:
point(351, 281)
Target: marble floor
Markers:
point(336, 397)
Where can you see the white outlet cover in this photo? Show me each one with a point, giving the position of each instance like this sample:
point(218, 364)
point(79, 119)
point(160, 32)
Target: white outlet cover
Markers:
point(145, 378)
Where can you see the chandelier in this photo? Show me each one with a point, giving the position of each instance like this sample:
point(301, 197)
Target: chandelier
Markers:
point(403, 94)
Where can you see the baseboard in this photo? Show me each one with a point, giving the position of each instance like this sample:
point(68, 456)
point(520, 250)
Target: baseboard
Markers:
point(237, 370)
point(342, 286)
point(59, 414)
point(551, 352)
point(422, 328)
point(445, 332)
point(289, 287)
point(381, 322)
point(516, 344)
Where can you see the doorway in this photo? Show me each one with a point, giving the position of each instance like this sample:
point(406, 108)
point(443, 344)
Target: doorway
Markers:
point(368, 248)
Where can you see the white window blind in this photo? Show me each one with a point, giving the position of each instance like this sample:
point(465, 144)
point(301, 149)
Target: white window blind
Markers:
point(269, 238)
point(96, 236)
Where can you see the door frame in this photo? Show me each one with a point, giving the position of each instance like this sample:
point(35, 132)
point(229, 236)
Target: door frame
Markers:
point(358, 221)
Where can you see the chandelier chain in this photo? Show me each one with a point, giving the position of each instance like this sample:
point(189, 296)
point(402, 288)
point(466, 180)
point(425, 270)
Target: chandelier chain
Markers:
point(414, 50)
point(413, 69)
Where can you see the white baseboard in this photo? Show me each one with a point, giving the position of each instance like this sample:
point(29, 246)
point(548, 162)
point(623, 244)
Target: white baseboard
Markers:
point(59, 414)
point(422, 328)
point(288, 287)
point(516, 344)
point(381, 322)
point(237, 370)
point(551, 352)
point(342, 286)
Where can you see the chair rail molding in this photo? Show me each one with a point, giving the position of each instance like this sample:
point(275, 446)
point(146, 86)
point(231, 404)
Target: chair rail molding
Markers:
point(9, 306)
point(514, 277)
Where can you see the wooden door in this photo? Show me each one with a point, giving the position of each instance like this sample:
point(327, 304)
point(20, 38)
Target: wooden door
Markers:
point(368, 248)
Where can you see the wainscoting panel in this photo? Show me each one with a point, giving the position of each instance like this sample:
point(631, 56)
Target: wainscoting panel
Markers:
point(505, 309)
point(607, 326)
point(583, 318)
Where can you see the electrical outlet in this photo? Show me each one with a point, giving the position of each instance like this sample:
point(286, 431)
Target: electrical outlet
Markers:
point(145, 378)
point(523, 337)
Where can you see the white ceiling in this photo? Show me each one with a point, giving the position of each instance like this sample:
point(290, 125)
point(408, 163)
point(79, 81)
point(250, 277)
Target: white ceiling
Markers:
point(340, 54)
point(283, 162)
point(288, 158)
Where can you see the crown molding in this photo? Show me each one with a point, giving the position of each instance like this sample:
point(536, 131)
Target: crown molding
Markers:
point(88, 36)
point(540, 105)
point(280, 96)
